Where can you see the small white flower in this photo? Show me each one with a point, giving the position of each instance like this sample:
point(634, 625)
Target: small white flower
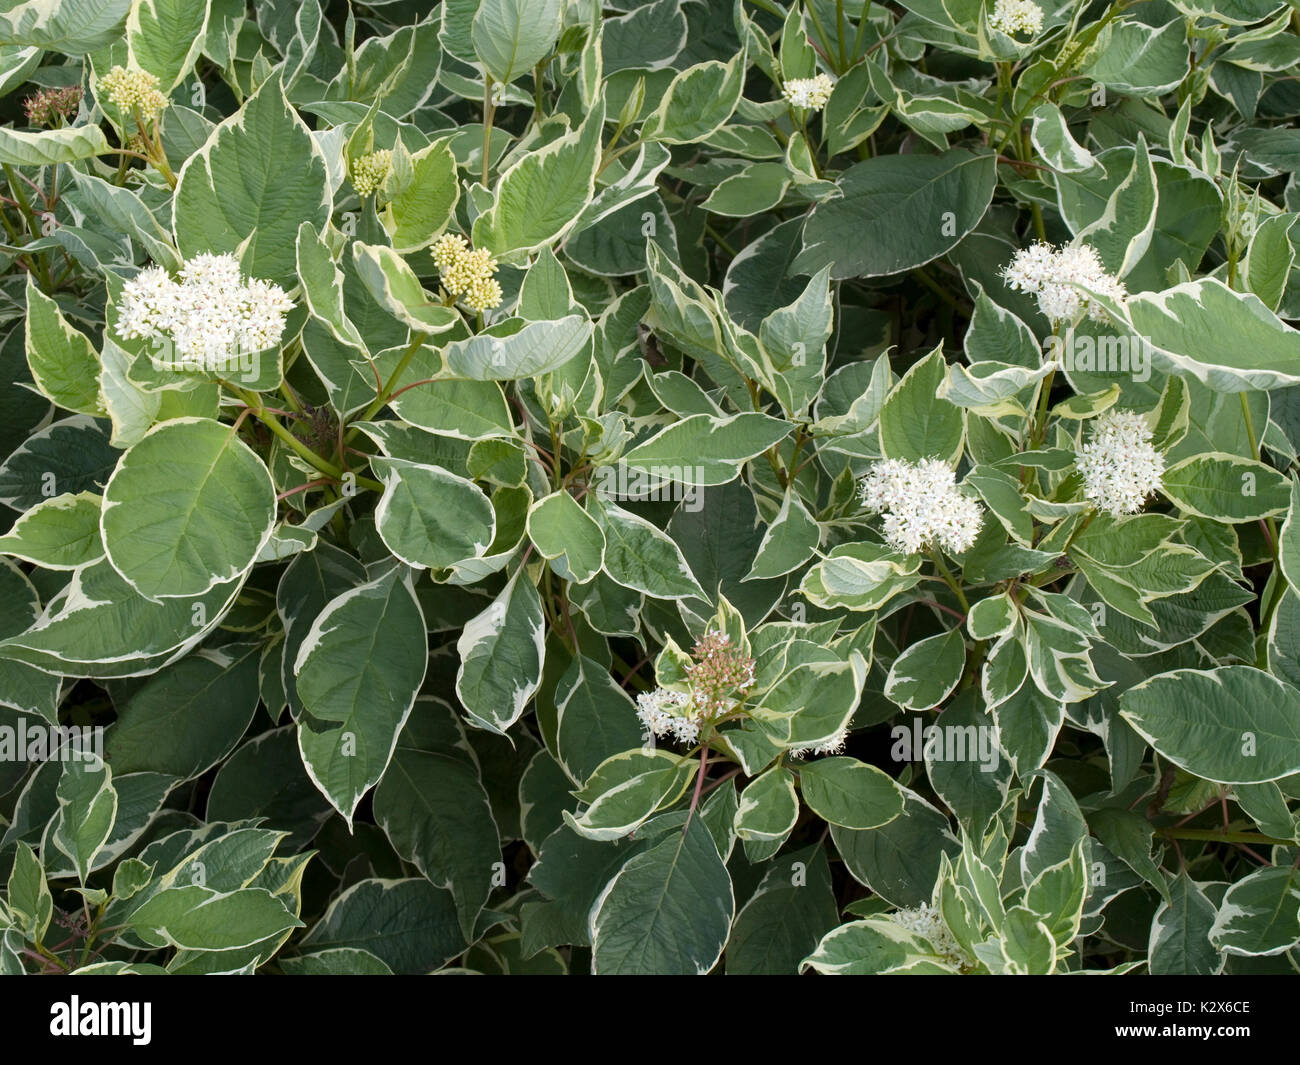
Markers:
point(1120, 466)
point(922, 505)
point(210, 313)
point(834, 744)
point(369, 171)
point(1017, 16)
point(808, 93)
point(133, 92)
point(668, 713)
point(926, 922)
point(1052, 275)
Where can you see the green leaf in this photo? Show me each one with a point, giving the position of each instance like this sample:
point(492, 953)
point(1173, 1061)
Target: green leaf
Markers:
point(540, 197)
point(1226, 488)
point(533, 348)
point(697, 102)
point(900, 860)
point(641, 557)
point(786, 917)
point(1054, 143)
point(667, 911)
point(897, 212)
point(788, 542)
point(1269, 259)
point(421, 210)
point(706, 450)
point(1231, 725)
point(164, 37)
point(992, 617)
point(435, 812)
point(60, 533)
point(768, 807)
point(63, 362)
point(757, 188)
point(87, 810)
point(186, 718)
point(873, 947)
point(849, 793)
point(1186, 326)
point(1180, 933)
point(511, 36)
point(29, 896)
point(337, 961)
point(1259, 915)
point(393, 285)
point(925, 674)
point(429, 517)
point(501, 654)
point(188, 507)
point(596, 718)
point(50, 146)
point(70, 26)
point(257, 178)
point(105, 628)
point(467, 410)
point(1141, 60)
point(1027, 944)
point(409, 924)
point(567, 536)
point(358, 672)
point(199, 918)
point(626, 789)
point(916, 425)
point(1122, 234)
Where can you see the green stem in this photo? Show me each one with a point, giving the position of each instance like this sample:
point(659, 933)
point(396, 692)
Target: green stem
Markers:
point(922, 276)
point(948, 578)
point(1279, 582)
point(387, 391)
point(268, 419)
point(863, 23)
point(839, 33)
point(489, 110)
point(1035, 208)
point(538, 72)
point(25, 205)
point(826, 38)
point(1213, 835)
point(1040, 417)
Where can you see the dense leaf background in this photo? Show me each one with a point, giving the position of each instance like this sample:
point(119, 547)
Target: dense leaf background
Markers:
point(363, 621)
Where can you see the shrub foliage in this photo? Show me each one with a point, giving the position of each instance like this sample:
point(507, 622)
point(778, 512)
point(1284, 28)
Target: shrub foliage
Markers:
point(543, 486)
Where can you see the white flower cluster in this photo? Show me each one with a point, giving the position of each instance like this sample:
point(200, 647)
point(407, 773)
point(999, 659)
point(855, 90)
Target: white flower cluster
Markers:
point(808, 93)
point(133, 91)
point(926, 922)
point(921, 504)
point(1051, 275)
point(369, 171)
point(833, 745)
point(467, 272)
point(210, 314)
point(1120, 466)
point(717, 680)
point(1017, 16)
point(665, 712)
